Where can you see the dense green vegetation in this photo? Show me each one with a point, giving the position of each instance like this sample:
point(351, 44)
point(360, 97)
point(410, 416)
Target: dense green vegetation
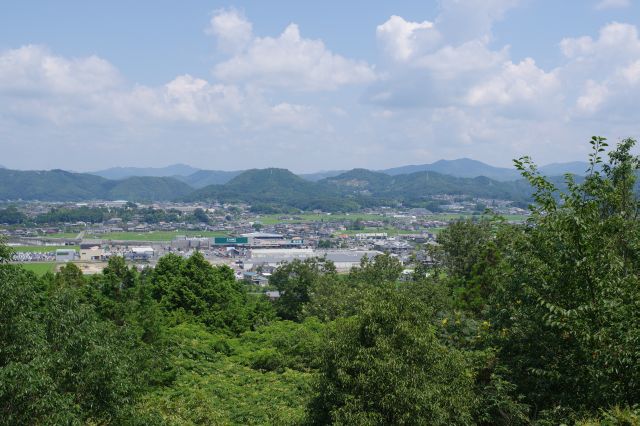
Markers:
point(267, 190)
point(280, 191)
point(129, 212)
point(512, 324)
point(59, 185)
point(11, 216)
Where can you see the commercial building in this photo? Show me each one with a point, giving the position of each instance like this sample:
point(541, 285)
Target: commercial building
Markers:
point(65, 255)
point(344, 260)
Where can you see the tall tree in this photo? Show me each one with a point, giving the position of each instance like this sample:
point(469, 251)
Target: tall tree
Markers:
point(568, 301)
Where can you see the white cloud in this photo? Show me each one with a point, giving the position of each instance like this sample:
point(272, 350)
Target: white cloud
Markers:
point(292, 62)
point(612, 4)
point(232, 30)
point(34, 83)
point(615, 40)
point(401, 39)
point(33, 69)
point(522, 82)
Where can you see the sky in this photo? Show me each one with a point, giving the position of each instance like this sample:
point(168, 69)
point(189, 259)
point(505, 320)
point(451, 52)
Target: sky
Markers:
point(313, 86)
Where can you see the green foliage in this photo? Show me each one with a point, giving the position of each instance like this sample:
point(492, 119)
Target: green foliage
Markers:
point(6, 253)
point(12, 216)
point(386, 366)
point(615, 416)
point(381, 269)
point(468, 252)
point(223, 381)
point(568, 300)
point(202, 292)
point(59, 362)
point(200, 216)
point(294, 281)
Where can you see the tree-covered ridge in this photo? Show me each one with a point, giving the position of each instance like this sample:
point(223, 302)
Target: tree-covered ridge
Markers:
point(60, 185)
point(267, 190)
point(509, 325)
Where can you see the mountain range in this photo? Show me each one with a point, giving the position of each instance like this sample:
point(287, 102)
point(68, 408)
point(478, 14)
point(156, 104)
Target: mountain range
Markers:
point(279, 189)
point(462, 167)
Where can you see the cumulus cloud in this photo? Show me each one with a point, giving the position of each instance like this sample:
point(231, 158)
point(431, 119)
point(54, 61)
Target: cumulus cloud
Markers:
point(34, 70)
point(522, 82)
point(232, 30)
point(602, 73)
point(458, 86)
point(402, 39)
point(37, 83)
point(435, 63)
point(292, 62)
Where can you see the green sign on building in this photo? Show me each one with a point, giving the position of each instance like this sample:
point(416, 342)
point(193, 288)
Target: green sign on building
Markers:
point(230, 240)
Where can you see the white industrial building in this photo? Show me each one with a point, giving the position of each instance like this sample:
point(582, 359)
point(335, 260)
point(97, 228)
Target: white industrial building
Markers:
point(65, 255)
point(344, 260)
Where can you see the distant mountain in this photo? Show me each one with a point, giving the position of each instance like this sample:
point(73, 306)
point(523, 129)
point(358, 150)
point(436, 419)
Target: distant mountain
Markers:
point(60, 185)
point(202, 178)
point(141, 188)
point(462, 167)
point(417, 186)
point(274, 189)
point(279, 189)
point(360, 181)
point(466, 167)
point(125, 172)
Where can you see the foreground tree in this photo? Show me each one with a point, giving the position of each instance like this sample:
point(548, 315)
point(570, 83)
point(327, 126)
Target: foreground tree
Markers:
point(567, 308)
point(386, 366)
point(194, 289)
point(59, 362)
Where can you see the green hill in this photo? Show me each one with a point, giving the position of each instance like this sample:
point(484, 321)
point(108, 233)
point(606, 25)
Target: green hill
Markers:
point(60, 185)
point(274, 189)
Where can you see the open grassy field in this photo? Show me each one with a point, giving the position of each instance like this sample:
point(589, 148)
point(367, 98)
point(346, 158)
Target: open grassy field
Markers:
point(62, 235)
point(39, 268)
point(41, 249)
point(154, 235)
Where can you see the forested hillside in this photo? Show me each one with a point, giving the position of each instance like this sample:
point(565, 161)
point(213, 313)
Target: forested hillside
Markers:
point(60, 185)
point(537, 323)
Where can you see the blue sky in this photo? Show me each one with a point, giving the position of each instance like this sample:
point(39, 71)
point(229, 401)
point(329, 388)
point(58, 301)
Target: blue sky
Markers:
point(313, 85)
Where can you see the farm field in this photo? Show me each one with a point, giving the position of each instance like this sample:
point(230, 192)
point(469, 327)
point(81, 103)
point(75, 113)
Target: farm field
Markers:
point(39, 268)
point(154, 235)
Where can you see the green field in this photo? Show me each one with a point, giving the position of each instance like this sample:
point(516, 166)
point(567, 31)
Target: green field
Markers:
point(154, 235)
point(39, 268)
point(41, 249)
point(62, 235)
